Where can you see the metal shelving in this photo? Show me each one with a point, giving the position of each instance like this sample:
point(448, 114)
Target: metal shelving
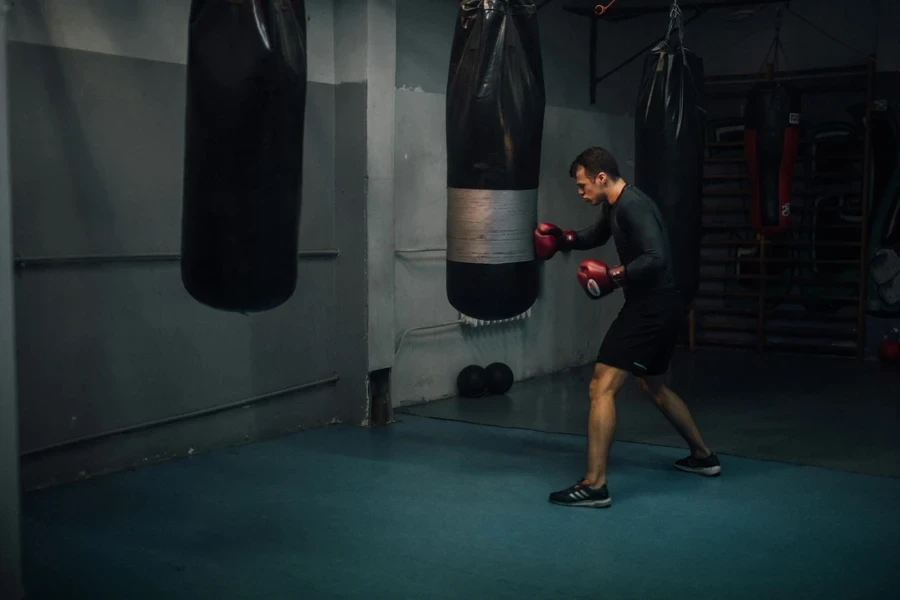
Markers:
point(769, 292)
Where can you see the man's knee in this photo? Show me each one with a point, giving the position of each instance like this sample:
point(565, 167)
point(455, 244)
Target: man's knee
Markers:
point(606, 381)
point(653, 387)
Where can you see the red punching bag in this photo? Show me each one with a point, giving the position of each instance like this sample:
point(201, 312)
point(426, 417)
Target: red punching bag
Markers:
point(889, 349)
point(771, 137)
point(889, 352)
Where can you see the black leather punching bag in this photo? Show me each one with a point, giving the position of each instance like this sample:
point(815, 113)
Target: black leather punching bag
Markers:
point(670, 125)
point(495, 122)
point(772, 139)
point(246, 96)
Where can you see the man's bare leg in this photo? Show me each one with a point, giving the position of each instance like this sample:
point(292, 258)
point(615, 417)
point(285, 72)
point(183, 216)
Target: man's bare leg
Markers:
point(701, 461)
point(606, 382)
point(590, 491)
point(676, 411)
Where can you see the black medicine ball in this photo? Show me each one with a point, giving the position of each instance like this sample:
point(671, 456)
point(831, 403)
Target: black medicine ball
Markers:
point(499, 378)
point(472, 381)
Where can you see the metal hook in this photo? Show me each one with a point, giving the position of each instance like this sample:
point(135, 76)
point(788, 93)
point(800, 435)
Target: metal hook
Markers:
point(600, 9)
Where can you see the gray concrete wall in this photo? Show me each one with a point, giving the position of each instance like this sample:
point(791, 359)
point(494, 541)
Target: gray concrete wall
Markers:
point(97, 94)
point(887, 13)
point(10, 529)
point(733, 43)
point(381, 62)
point(565, 328)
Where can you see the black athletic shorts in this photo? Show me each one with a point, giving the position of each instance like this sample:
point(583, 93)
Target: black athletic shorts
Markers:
point(642, 337)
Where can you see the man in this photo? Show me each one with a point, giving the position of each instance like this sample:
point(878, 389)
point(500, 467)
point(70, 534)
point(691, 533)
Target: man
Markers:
point(641, 339)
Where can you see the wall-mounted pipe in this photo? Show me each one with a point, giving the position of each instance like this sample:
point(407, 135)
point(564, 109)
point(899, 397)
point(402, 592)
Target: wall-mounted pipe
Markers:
point(180, 418)
point(411, 254)
point(405, 251)
point(23, 262)
point(626, 11)
point(403, 335)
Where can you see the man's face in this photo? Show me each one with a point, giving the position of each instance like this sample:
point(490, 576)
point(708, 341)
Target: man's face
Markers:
point(592, 190)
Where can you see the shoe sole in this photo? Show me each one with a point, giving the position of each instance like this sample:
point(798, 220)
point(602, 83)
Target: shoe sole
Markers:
point(707, 471)
point(586, 503)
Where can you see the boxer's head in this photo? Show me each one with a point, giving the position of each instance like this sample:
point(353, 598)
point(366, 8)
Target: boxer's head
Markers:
point(596, 174)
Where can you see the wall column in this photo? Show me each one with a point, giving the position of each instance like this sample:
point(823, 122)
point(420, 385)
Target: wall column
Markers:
point(10, 542)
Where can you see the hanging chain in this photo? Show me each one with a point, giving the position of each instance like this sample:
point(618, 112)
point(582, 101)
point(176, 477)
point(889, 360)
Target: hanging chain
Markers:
point(777, 36)
point(772, 53)
point(676, 19)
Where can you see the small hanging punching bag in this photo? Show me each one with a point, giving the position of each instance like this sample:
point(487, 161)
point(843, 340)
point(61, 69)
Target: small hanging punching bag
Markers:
point(246, 96)
point(771, 140)
point(495, 121)
point(670, 125)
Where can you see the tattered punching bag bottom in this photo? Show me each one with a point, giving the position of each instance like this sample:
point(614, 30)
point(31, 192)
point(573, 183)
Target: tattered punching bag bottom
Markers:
point(491, 268)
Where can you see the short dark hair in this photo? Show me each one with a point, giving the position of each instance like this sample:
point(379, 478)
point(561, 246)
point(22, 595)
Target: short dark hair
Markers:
point(596, 160)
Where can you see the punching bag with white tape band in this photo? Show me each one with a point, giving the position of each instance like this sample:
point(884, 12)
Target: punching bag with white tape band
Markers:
point(495, 116)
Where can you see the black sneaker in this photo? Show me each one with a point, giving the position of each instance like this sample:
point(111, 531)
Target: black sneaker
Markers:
point(708, 466)
point(581, 494)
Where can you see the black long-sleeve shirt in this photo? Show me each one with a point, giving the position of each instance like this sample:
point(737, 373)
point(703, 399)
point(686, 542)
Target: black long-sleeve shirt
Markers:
point(636, 225)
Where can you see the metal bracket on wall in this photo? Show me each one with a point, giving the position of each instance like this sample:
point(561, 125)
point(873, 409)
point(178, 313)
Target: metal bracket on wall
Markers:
point(23, 263)
point(625, 13)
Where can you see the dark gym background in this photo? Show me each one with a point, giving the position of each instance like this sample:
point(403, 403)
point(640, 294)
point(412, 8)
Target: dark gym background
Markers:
point(118, 368)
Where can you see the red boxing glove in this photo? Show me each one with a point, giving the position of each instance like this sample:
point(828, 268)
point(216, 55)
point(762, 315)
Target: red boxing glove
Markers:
point(597, 279)
point(548, 239)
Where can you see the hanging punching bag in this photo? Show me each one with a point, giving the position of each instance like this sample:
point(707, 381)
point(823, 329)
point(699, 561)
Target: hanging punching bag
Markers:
point(495, 120)
point(771, 140)
point(246, 96)
point(670, 125)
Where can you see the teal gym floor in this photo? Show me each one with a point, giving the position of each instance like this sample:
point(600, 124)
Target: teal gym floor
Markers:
point(428, 508)
point(836, 413)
